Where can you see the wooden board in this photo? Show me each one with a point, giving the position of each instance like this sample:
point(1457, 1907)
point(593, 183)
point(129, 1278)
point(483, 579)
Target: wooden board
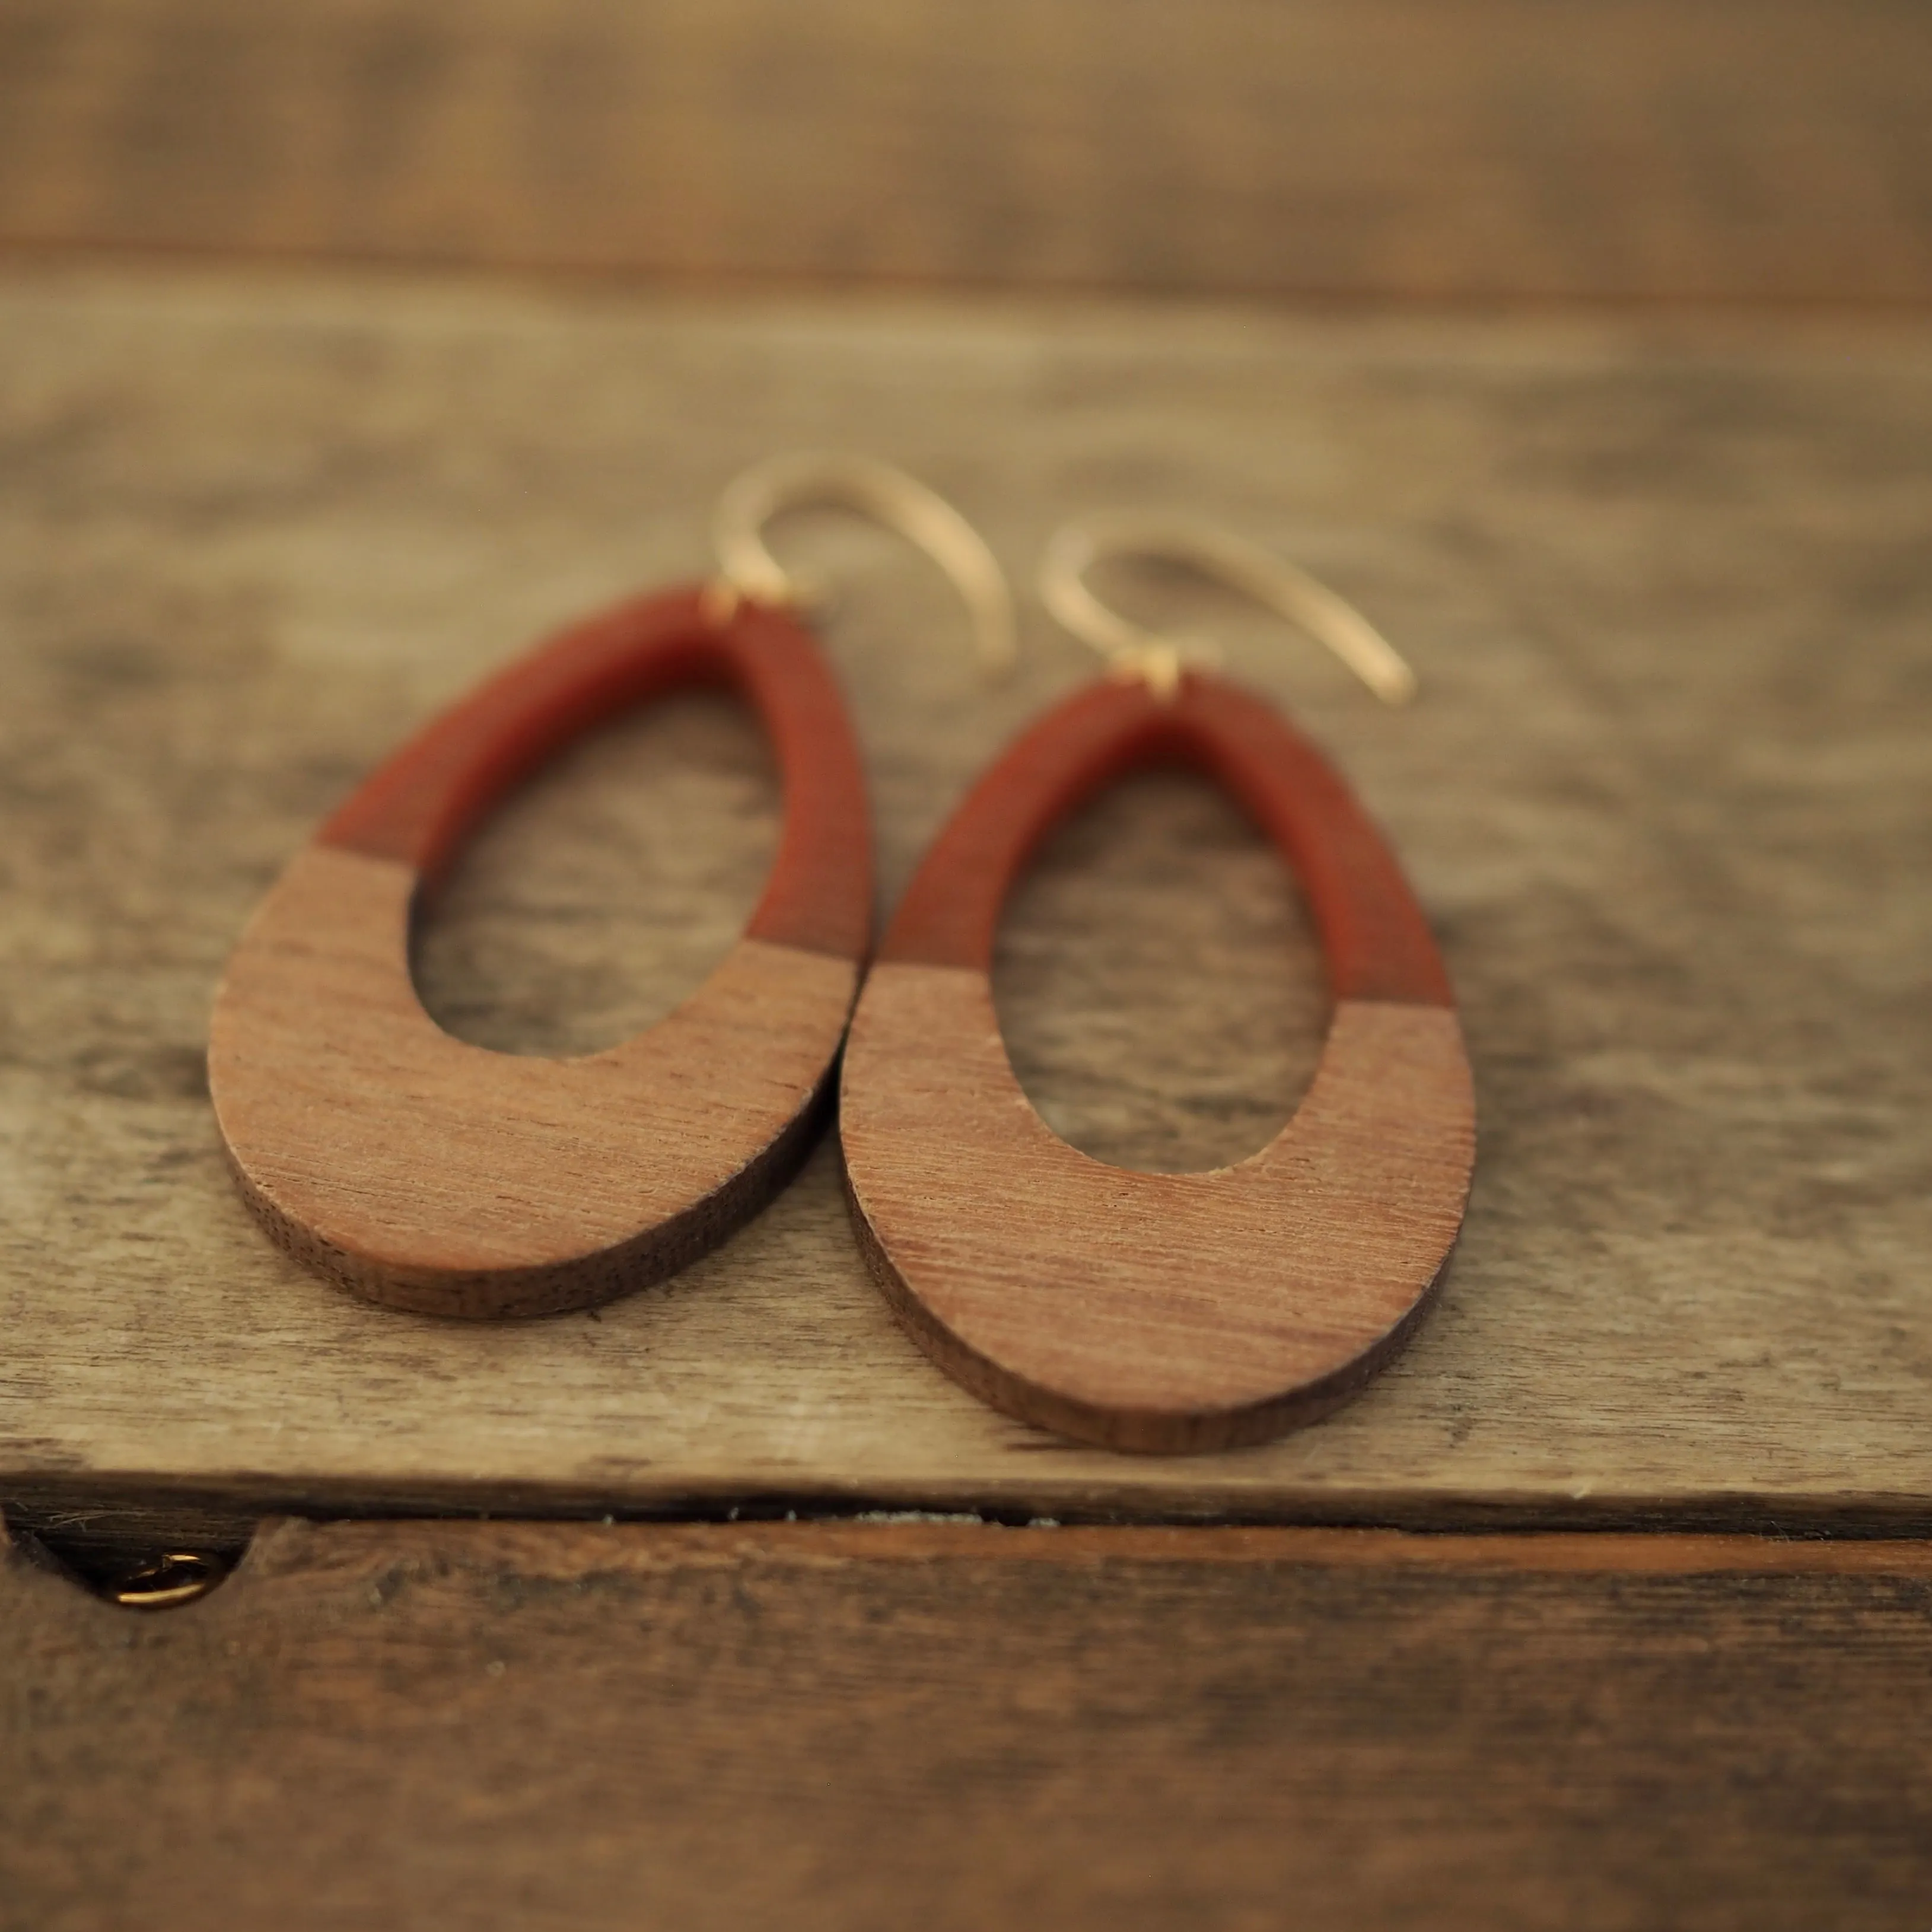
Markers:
point(492, 1725)
point(1777, 150)
point(1663, 798)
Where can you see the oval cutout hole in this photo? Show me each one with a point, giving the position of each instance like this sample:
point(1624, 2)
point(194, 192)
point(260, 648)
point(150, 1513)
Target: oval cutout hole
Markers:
point(602, 892)
point(1158, 982)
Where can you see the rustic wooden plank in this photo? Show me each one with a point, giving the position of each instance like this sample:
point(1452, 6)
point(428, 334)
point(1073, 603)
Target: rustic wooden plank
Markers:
point(484, 1726)
point(1762, 149)
point(1667, 595)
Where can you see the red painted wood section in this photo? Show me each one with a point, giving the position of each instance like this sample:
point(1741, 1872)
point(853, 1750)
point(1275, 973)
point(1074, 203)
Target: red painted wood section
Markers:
point(419, 805)
point(1376, 941)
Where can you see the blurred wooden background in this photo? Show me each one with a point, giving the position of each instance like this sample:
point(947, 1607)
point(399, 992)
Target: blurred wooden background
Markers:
point(1772, 151)
point(223, 224)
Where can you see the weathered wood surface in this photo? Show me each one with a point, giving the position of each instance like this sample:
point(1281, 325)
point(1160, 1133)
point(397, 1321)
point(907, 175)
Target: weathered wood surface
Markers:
point(1765, 149)
point(1664, 798)
point(494, 1726)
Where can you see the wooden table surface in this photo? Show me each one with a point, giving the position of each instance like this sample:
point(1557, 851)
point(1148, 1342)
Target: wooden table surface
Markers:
point(348, 346)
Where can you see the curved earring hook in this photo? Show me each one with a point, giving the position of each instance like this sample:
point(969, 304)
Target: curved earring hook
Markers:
point(751, 500)
point(1076, 547)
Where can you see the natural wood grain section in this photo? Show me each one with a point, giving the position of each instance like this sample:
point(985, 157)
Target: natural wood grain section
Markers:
point(430, 1174)
point(1753, 149)
point(1667, 593)
point(503, 1726)
point(1157, 1313)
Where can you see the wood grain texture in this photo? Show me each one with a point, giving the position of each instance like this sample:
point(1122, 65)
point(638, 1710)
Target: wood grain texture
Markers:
point(504, 1726)
point(428, 1173)
point(1157, 1313)
point(1662, 799)
point(1753, 149)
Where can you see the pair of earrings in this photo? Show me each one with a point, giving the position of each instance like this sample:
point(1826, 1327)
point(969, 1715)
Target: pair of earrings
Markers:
point(1148, 1311)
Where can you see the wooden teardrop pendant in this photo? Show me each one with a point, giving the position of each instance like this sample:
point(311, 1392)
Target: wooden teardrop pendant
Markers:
point(431, 1174)
point(1155, 1312)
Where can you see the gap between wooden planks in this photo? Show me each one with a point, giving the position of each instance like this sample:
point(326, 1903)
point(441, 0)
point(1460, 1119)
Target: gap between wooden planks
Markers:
point(563, 1548)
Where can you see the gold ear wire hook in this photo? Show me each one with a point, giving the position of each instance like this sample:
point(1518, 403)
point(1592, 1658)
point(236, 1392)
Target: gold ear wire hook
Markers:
point(1076, 547)
point(752, 499)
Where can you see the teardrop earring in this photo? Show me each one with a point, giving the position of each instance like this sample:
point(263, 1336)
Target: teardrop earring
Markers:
point(1161, 1311)
point(429, 1173)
